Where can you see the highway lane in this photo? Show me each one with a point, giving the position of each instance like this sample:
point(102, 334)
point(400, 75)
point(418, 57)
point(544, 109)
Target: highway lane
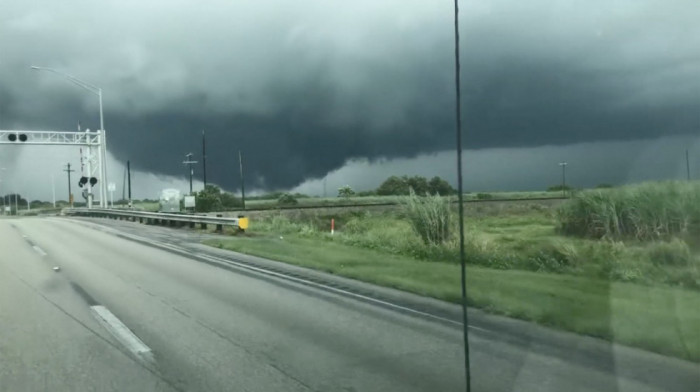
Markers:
point(211, 329)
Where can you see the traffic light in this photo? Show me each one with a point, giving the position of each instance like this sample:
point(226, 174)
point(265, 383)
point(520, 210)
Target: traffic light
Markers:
point(13, 137)
point(93, 181)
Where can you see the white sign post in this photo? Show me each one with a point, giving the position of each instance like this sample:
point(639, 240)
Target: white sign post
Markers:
point(111, 187)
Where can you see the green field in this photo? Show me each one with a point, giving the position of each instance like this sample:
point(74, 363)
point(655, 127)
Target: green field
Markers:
point(520, 264)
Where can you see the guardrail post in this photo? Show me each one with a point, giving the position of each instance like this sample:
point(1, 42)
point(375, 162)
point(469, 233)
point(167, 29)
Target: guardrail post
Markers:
point(140, 220)
point(219, 228)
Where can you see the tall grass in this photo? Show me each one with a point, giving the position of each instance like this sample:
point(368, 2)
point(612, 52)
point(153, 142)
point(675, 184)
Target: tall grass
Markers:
point(429, 216)
point(648, 211)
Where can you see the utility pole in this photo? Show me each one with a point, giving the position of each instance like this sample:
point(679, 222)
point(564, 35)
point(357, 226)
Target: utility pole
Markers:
point(53, 191)
point(124, 185)
point(70, 194)
point(190, 163)
point(204, 158)
point(687, 164)
point(563, 178)
point(240, 164)
point(128, 174)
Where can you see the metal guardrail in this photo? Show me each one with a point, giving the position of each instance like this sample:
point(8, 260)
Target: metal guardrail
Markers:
point(240, 223)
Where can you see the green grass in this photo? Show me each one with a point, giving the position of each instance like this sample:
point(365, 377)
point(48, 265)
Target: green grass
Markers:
point(647, 211)
point(519, 238)
point(585, 305)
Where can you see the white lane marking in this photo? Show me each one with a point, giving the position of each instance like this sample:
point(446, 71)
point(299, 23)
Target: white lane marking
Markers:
point(120, 331)
point(39, 250)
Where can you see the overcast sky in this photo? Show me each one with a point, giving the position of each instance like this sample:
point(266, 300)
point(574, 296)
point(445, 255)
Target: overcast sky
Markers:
point(359, 89)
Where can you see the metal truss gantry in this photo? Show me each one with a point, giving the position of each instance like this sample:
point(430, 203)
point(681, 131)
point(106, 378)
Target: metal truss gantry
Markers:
point(94, 155)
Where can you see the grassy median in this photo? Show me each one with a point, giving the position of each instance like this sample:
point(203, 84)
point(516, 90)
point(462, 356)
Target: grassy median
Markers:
point(621, 264)
point(660, 319)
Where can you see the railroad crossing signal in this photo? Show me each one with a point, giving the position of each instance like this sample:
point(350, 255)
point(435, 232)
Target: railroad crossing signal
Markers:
point(92, 140)
point(13, 137)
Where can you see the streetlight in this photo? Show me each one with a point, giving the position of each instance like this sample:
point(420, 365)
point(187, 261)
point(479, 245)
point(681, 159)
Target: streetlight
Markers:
point(97, 91)
point(563, 178)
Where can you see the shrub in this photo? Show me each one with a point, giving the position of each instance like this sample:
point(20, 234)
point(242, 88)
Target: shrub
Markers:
point(558, 188)
point(648, 211)
point(673, 253)
point(484, 196)
point(229, 201)
point(287, 199)
point(429, 216)
point(208, 199)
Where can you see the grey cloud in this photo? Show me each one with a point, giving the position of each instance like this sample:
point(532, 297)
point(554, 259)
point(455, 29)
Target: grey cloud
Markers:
point(304, 87)
point(532, 168)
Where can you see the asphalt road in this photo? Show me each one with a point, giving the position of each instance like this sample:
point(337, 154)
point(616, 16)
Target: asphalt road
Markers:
point(124, 316)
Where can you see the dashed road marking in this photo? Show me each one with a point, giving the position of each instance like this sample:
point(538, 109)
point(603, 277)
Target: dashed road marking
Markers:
point(122, 333)
point(39, 250)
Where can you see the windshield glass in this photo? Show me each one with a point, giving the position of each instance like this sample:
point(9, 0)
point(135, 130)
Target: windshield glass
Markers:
point(395, 195)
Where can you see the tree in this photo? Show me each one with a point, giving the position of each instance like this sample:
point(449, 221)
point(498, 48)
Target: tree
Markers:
point(345, 191)
point(440, 186)
point(419, 185)
point(393, 185)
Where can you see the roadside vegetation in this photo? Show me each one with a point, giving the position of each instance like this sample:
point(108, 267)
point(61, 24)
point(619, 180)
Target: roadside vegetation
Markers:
point(602, 263)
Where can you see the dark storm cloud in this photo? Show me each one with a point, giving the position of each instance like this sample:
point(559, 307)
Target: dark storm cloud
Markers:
point(301, 89)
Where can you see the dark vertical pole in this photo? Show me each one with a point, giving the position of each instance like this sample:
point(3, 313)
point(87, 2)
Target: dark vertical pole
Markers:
point(563, 180)
point(462, 259)
point(124, 185)
point(128, 179)
point(70, 194)
point(191, 173)
point(240, 164)
point(687, 164)
point(204, 158)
